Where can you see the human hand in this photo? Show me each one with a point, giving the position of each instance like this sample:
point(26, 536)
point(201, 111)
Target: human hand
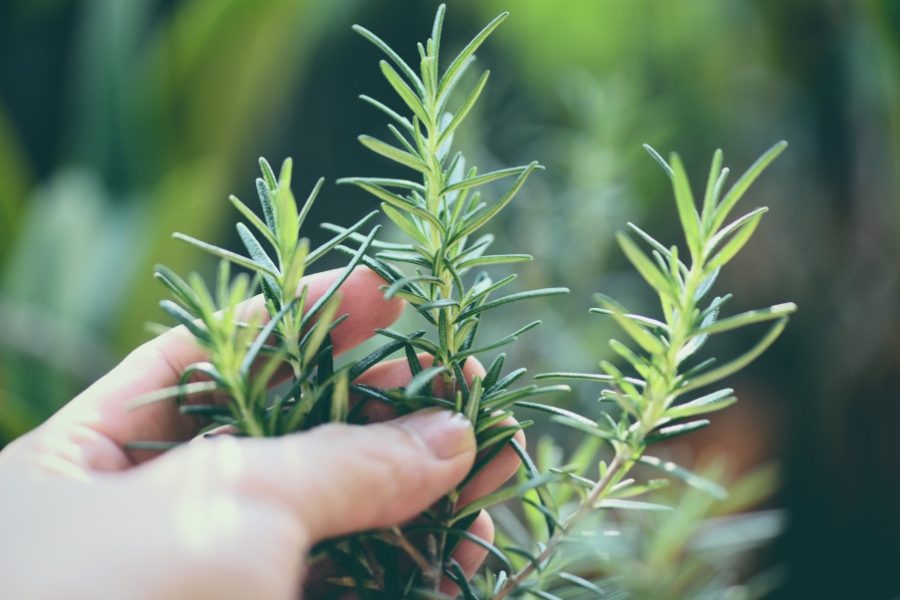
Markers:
point(82, 516)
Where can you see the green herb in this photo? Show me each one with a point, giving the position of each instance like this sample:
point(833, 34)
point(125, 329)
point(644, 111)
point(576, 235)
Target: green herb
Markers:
point(443, 211)
point(657, 400)
point(443, 214)
point(235, 334)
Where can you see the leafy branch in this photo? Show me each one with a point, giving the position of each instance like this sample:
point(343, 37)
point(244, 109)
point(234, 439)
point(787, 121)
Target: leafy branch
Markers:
point(248, 346)
point(441, 212)
point(651, 402)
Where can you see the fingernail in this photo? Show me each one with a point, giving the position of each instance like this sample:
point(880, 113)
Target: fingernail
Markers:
point(447, 434)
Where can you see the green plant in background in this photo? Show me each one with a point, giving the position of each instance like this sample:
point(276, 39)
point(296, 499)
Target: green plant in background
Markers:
point(159, 107)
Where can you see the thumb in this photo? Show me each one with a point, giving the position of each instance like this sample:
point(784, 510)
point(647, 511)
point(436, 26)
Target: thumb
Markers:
point(338, 479)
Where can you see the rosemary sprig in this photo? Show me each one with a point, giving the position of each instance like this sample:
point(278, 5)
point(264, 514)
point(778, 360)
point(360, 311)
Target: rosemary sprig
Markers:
point(236, 336)
point(441, 212)
point(651, 402)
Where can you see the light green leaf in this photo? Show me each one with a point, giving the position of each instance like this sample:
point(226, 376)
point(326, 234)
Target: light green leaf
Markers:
point(395, 58)
point(705, 404)
point(658, 158)
point(406, 94)
point(494, 259)
point(393, 153)
point(746, 180)
point(465, 54)
point(650, 272)
point(635, 328)
point(174, 391)
point(237, 259)
point(421, 379)
point(463, 110)
point(687, 209)
point(620, 504)
point(479, 180)
point(748, 318)
point(479, 219)
point(709, 198)
point(737, 364)
point(734, 245)
point(689, 477)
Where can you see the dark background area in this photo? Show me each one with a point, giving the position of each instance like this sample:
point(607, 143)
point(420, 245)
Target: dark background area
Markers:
point(121, 122)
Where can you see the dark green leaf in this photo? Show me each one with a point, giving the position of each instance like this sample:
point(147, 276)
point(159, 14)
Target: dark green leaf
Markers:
point(671, 431)
point(512, 298)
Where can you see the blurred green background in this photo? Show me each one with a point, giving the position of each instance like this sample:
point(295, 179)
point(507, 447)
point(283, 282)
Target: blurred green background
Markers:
point(121, 122)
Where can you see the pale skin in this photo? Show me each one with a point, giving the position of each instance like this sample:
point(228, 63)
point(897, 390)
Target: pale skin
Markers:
point(82, 517)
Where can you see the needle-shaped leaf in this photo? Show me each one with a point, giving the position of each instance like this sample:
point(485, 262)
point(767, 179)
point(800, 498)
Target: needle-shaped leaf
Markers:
point(484, 179)
point(737, 241)
point(737, 364)
point(467, 52)
point(197, 329)
point(403, 121)
point(671, 431)
point(412, 101)
point(228, 255)
point(479, 219)
point(689, 477)
point(748, 318)
point(331, 244)
point(393, 153)
point(501, 495)
point(541, 293)
point(635, 328)
point(705, 404)
point(744, 182)
point(657, 279)
point(167, 393)
point(494, 259)
point(463, 110)
point(620, 504)
point(260, 339)
point(339, 281)
point(421, 379)
point(658, 158)
point(178, 286)
point(709, 197)
point(395, 58)
point(687, 208)
point(320, 329)
point(248, 214)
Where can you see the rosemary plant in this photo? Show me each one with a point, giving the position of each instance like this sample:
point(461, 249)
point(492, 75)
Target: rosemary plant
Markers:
point(650, 401)
point(439, 270)
point(235, 336)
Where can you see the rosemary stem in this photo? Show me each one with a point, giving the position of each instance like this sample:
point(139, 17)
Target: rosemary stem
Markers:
point(615, 471)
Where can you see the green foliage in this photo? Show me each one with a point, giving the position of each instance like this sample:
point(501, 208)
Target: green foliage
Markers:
point(438, 213)
point(650, 402)
point(437, 270)
point(228, 323)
